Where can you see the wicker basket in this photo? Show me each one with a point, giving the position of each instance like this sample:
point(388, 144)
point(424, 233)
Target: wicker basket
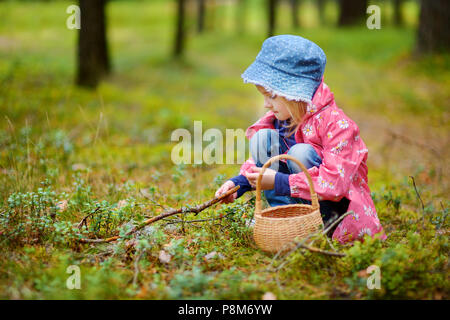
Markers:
point(277, 227)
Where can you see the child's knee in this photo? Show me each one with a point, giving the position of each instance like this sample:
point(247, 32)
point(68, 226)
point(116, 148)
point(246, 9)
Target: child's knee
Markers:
point(301, 151)
point(305, 153)
point(263, 143)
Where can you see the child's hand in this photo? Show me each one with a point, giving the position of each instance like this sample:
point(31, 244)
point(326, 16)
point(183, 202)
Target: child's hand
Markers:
point(267, 181)
point(224, 188)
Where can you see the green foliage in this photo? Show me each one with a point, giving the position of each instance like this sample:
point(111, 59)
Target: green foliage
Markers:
point(189, 284)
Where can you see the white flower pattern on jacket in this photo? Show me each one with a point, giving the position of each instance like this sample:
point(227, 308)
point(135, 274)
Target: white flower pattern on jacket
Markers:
point(343, 124)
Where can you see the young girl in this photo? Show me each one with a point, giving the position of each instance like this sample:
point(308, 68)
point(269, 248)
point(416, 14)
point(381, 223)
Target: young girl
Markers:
point(304, 121)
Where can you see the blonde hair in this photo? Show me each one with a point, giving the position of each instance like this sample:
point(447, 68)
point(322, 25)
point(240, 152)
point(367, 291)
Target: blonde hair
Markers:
point(297, 110)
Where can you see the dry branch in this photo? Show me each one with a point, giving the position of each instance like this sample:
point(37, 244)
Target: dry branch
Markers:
point(301, 243)
point(335, 222)
point(408, 140)
point(169, 213)
point(136, 267)
point(197, 220)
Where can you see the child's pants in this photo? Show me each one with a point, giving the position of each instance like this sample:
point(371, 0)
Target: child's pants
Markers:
point(265, 144)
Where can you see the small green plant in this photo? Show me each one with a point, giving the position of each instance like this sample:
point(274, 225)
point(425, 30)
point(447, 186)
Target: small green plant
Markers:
point(188, 284)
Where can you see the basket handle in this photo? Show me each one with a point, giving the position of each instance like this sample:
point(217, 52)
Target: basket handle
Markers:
point(314, 199)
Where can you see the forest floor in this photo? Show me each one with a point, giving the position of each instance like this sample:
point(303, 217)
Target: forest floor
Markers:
point(67, 152)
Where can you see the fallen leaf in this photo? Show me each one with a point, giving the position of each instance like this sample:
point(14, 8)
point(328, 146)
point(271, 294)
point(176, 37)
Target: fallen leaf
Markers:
point(145, 193)
point(121, 204)
point(362, 273)
point(143, 292)
point(212, 255)
point(269, 296)
point(167, 245)
point(78, 167)
point(164, 257)
point(437, 295)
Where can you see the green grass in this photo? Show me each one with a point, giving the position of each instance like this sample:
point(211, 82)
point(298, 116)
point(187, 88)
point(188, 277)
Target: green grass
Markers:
point(96, 148)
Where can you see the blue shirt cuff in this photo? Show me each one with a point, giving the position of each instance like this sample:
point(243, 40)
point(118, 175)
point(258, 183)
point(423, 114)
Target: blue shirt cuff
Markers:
point(243, 183)
point(282, 187)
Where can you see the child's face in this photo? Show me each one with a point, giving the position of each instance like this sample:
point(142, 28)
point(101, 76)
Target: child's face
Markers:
point(276, 104)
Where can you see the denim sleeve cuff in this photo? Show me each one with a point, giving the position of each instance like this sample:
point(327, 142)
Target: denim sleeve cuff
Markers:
point(243, 183)
point(282, 184)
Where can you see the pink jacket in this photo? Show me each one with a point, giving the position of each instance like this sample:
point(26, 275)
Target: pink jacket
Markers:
point(343, 172)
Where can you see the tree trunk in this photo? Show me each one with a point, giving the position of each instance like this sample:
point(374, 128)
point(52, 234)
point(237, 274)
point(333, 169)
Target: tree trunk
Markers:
point(352, 12)
point(434, 29)
point(398, 17)
point(180, 31)
point(93, 58)
point(294, 8)
point(212, 15)
point(321, 10)
point(272, 4)
point(200, 15)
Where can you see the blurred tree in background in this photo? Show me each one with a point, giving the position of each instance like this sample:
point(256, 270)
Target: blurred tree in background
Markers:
point(398, 17)
point(242, 7)
point(294, 9)
point(272, 14)
point(103, 157)
point(434, 26)
point(352, 12)
point(93, 57)
point(180, 32)
point(201, 15)
point(321, 9)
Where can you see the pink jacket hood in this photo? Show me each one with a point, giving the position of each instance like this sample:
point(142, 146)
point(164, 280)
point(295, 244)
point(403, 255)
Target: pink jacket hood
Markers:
point(323, 97)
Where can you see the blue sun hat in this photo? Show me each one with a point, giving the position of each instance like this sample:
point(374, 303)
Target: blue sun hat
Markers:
point(289, 66)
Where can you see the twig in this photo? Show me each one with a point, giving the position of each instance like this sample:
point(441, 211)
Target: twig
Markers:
point(331, 244)
point(152, 200)
point(169, 213)
point(408, 140)
point(198, 220)
point(301, 243)
point(335, 222)
point(313, 249)
point(83, 221)
point(136, 268)
point(278, 281)
point(417, 192)
point(444, 217)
